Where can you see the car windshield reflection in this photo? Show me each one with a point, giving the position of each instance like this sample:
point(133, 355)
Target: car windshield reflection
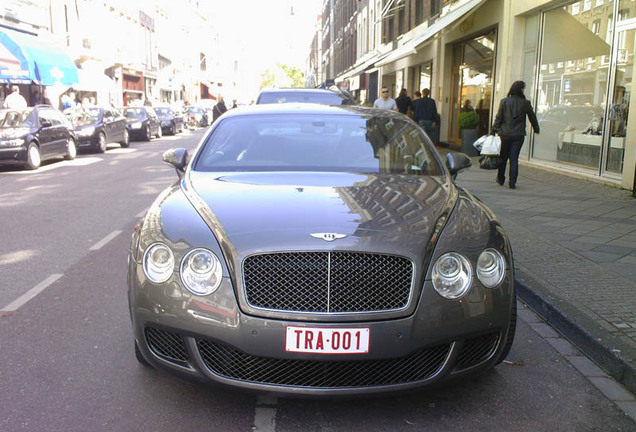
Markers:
point(318, 143)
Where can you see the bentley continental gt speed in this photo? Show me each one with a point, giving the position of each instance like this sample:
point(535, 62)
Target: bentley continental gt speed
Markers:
point(320, 250)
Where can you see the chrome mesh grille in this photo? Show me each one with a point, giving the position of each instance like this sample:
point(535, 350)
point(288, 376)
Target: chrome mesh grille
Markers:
point(331, 282)
point(234, 364)
point(477, 350)
point(166, 344)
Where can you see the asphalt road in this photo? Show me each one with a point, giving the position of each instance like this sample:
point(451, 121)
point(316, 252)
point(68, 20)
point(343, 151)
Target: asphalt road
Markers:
point(66, 348)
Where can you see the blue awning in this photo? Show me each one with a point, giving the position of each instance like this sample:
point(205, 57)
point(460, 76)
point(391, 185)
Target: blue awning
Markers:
point(40, 61)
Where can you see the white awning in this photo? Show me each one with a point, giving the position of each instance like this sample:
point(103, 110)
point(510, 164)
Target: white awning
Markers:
point(410, 47)
point(565, 38)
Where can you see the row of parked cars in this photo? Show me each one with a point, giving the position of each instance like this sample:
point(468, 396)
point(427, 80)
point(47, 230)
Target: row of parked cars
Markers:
point(30, 136)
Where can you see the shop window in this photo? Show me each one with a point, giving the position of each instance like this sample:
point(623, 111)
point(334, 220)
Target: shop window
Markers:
point(571, 100)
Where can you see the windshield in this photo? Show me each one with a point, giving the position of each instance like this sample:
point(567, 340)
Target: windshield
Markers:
point(310, 142)
point(15, 119)
point(82, 118)
point(134, 113)
point(325, 98)
point(163, 111)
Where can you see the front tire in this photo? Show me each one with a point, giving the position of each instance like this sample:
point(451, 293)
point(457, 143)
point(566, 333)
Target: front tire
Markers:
point(159, 132)
point(512, 327)
point(126, 141)
point(139, 356)
point(34, 159)
point(101, 143)
point(71, 149)
point(148, 136)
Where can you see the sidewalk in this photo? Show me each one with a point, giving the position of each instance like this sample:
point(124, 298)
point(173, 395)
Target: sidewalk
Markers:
point(574, 243)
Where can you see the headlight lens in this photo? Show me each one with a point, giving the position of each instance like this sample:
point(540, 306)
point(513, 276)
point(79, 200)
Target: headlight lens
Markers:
point(17, 142)
point(201, 272)
point(452, 275)
point(158, 263)
point(491, 268)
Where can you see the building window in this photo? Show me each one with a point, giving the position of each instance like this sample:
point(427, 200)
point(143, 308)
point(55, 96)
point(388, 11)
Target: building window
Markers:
point(572, 98)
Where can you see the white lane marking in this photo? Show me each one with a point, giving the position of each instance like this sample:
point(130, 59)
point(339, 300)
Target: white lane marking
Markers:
point(20, 301)
point(122, 150)
point(105, 240)
point(75, 162)
point(265, 414)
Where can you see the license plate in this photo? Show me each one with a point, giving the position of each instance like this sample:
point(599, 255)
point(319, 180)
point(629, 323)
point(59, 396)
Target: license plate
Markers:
point(320, 340)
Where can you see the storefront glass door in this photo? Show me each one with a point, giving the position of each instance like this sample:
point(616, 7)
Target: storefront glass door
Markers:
point(472, 83)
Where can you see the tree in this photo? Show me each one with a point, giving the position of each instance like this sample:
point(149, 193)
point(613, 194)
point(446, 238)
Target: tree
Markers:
point(283, 76)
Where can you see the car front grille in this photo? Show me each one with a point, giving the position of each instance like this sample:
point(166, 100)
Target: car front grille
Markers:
point(166, 344)
point(477, 350)
point(328, 282)
point(234, 364)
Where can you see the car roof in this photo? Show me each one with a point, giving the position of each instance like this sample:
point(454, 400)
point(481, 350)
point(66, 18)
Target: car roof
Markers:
point(310, 108)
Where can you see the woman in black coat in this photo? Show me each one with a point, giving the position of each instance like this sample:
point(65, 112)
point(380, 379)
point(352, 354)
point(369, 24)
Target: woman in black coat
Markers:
point(510, 124)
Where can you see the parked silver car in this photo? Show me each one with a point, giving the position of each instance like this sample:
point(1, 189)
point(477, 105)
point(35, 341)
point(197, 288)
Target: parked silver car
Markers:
point(312, 249)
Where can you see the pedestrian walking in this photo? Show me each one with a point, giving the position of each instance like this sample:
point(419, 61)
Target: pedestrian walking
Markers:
point(219, 109)
point(15, 100)
point(403, 102)
point(510, 124)
point(426, 112)
point(384, 101)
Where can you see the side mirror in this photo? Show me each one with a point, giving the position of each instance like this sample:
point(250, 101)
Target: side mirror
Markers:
point(45, 122)
point(178, 158)
point(457, 162)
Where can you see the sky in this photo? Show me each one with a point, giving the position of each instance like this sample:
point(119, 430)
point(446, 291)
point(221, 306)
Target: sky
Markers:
point(267, 30)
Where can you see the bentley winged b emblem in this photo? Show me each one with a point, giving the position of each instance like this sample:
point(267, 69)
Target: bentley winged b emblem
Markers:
point(328, 236)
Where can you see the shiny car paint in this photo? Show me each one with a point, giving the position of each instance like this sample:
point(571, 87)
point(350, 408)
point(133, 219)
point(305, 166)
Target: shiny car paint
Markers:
point(238, 215)
point(44, 127)
point(99, 121)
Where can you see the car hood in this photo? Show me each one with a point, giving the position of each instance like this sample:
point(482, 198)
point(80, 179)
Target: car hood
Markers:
point(258, 212)
point(11, 133)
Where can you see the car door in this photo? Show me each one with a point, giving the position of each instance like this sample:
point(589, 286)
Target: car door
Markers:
point(119, 125)
point(62, 128)
point(153, 121)
point(48, 134)
point(109, 127)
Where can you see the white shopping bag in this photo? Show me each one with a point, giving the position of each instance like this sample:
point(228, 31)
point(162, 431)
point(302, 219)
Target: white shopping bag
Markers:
point(480, 142)
point(491, 145)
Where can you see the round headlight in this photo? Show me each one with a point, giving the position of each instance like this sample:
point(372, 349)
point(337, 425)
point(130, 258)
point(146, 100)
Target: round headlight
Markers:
point(491, 268)
point(158, 263)
point(452, 275)
point(201, 272)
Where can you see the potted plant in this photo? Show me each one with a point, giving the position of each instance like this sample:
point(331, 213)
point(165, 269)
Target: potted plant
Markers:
point(468, 122)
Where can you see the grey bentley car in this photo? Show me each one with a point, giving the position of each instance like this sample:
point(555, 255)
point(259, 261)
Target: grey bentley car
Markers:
point(320, 250)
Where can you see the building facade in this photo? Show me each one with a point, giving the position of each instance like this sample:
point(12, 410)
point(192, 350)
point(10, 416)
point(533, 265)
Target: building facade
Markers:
point(125, 51)
point(576, 57)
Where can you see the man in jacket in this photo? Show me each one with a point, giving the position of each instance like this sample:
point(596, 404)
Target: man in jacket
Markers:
point(426, 112)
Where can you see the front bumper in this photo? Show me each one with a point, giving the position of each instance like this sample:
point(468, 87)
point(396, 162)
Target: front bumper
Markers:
point(13, 154)
point(211, 339)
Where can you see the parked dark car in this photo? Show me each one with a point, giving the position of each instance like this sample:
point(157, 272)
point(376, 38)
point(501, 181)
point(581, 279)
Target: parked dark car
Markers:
point(32, 135)
point(96, 127)
point(197, 116)
point(320, 250)
point(171, 120)
point(143, 123)
point(304, 95)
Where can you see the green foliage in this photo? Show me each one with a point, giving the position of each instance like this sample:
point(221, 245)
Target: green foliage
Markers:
point(468, 119)
point(283, 76)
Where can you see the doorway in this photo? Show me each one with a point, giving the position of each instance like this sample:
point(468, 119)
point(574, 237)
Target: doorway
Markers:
point(472, 85)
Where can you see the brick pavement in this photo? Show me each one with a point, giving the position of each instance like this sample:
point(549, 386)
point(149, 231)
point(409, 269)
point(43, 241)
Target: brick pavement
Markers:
point(574, 243)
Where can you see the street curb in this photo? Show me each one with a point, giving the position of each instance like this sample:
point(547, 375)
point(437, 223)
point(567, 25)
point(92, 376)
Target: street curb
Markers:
point(605, 349)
